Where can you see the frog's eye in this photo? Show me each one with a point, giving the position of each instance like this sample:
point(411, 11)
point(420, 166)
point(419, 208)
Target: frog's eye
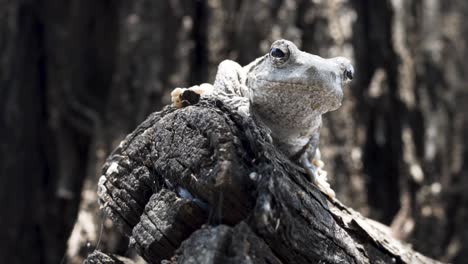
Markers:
point(279, 54)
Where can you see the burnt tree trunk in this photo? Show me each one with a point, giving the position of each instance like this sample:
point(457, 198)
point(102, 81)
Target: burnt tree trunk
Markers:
point(204, 184)
point(77, 75)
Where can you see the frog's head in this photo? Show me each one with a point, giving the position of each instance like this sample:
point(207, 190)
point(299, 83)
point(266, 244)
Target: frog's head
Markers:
point(288, 75)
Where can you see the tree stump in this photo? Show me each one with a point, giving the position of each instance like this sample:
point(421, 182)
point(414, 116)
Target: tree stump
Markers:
point(203, 184)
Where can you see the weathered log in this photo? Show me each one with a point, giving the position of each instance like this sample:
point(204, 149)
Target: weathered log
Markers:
point(165, 223)
point(207, 164)
point(98, 257)
point(239, 244)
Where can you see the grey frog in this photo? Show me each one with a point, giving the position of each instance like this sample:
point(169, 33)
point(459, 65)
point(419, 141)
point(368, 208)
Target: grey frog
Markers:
point(288, 90)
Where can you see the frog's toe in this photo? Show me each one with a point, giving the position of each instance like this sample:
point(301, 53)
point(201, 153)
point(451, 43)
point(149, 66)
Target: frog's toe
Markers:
point(318, 176)
point(322, 183)
point(175, 97)
point(322, 174)
point(318, 163)
point(203, 89)
point(324, 186)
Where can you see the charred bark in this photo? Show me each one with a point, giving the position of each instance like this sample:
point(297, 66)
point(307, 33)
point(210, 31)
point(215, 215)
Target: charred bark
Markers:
point(98, 257)
point(205, 164)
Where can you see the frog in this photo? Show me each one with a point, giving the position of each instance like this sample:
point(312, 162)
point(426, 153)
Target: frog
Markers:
point(287, 90)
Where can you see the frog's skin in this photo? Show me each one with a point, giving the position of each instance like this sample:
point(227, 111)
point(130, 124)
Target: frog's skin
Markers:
point(288, 90)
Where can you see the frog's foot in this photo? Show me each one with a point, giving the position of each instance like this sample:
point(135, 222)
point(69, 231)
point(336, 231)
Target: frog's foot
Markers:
point(322, 183)
point(317, 175)
point(182, 97)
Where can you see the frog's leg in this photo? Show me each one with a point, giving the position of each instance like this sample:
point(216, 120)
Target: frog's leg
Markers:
point(229, 83)
point(310, 161)
point(230, 79)
point(230, 86)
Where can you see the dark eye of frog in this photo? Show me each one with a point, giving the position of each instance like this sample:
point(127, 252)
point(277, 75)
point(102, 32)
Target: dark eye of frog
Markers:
point(277, 53)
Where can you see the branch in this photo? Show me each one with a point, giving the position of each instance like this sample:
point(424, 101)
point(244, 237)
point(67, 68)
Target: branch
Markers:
point(203, 184)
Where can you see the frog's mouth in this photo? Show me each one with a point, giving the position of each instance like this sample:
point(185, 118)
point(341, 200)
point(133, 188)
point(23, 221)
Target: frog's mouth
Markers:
point(335, 97)
point(321, 98)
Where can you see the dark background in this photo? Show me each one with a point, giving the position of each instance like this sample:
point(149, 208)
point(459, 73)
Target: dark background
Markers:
point(77, 75)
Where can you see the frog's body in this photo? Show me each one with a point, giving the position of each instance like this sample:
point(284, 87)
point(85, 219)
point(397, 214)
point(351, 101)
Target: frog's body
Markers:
point(288, 90)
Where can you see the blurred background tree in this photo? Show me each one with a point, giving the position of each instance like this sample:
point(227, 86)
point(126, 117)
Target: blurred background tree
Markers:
point(77, 76)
